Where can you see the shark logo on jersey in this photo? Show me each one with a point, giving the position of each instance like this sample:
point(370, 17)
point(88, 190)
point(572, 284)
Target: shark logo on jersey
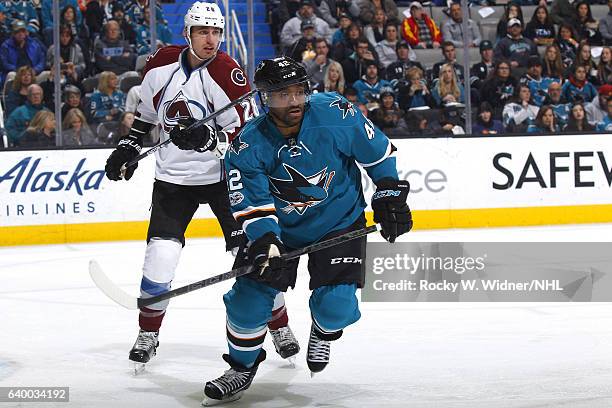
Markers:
point(176, 109)
point(345, 107)
point(237, 145)
point(301, 192)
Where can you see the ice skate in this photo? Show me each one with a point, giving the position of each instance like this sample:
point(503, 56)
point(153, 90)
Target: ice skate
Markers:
point(144, 348)
point(317, 355)
point(285, 343)
point(232, 384)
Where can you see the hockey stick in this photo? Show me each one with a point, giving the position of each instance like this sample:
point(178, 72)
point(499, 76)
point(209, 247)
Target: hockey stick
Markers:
point(130, 302)
point(199, 122)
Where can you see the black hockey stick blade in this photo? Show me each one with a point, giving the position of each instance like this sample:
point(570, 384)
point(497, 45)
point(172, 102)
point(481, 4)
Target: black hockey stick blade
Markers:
point(130, 302)
point(199, 122)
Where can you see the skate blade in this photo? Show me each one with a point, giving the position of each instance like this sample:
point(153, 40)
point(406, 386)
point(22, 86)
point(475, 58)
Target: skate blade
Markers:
point(312, 374)
point(291, 361)
point(138, 368)
point(209, 402)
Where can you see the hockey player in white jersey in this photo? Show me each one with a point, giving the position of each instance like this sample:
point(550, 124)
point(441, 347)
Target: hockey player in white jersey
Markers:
point(181, 85)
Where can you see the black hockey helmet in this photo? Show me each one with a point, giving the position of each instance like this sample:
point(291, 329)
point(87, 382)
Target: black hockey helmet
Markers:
point(279, 73)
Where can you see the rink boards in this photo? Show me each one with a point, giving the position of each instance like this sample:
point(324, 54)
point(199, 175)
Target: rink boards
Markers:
point(62, 196)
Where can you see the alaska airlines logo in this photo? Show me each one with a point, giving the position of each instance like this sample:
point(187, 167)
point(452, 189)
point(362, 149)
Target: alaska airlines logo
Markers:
point(345, 107)
point(177, 109)
point(301, 192)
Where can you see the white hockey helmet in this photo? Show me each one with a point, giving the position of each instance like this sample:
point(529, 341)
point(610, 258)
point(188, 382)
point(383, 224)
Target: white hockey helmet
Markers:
point(203, 14)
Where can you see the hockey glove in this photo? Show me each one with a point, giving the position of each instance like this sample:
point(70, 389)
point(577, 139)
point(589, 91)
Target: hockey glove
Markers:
point(390, 208)
point(126, 150)
point(264, 253)
point(201, 138)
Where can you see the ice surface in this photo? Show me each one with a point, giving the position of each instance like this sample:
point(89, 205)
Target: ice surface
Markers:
point(57, 329)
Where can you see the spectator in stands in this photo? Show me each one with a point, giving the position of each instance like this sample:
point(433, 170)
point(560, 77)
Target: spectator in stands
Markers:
point(369, 86)
point(545, 122)
point(513, 11)
point(596, 109)
point(605, 125)
point(333, 80)
point(133, 96)
point(387, 48)
point(483, 69)
point(604, 67)
point(76, 132)
point(485, 124)
point(351, 95)
point(317, 67)
point(514, 47)
point(127, 119)
point(452, 29)
point(447, 90)
point(557, 102)
point(389, 117)
point(332, 11)
point(375, 31)
point(97, 14)
point(450, 57)
point(499, 88)
point(406, 59)
point(20, 50)
point(413, 92)
point(577, 88)
point(369, 7)
point(19, 119)
point(5, 23)
point(112, 53)
point(586, 26)
point(136, 11)
point(303, 50)
point(605, 26)
point(47, 17)
point(107, 102)
point(521, 112)
point(143, 35)
point(355, 66)
point(563, 12)
point(348, 45)
point(40, 131)
point(540, 29)
point(72, 100)
point(292, 32)
point(17, 95)
point(417, 125)
point(129, 29)
point(21, 9)
point(344, 22)
point(567, 43)
point(72, 61)
point(419, 30)
point(538, 85)
point(552, 66)
point(577, 120)
point(583, 57)
point(80, 32)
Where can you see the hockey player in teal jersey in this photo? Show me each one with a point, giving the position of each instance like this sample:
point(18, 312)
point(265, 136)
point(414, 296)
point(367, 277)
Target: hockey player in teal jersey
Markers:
point(293, 179)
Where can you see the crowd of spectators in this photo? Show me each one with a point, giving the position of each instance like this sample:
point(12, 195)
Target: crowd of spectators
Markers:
point(546, 72)
point(102, 51)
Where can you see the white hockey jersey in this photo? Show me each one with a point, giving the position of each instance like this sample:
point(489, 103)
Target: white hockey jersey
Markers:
point(169, 94)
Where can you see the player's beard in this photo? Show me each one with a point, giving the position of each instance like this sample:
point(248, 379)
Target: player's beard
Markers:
point(288, 117)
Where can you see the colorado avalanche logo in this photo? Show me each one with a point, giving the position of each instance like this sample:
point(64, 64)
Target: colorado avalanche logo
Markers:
point(301, 192)
point(176, 109)
point(238, 77)
point(344, 106)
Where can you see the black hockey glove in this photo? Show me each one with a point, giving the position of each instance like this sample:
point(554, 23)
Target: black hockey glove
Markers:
point(127, 148)
point(390, 208)
point(264, 253)
point(201, 138)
